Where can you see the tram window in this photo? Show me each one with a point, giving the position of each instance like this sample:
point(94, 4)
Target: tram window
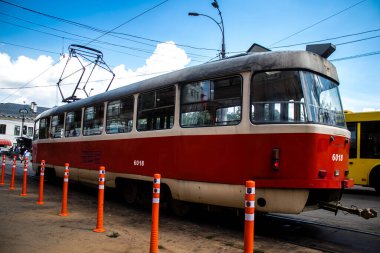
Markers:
point(352, 127)
point(93, 120)
point(120, 116)
point(73, 123)
point(211, 102)
point(57, 126)
point(370, 139)
point(277, 97)
point(43, 130)
point(324, 104)
point(36, 130)
point(156, 109)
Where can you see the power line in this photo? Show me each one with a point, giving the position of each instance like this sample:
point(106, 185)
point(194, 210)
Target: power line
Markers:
point(101, 30)
point(87, 38)
point(126, 22)
point(66, 32)
point(99, 41)
point(353, 41)
point(329, 39)
point(356, 56)
point(43, 72)
point(31, 48)
point(306, 28)
point(67, 84)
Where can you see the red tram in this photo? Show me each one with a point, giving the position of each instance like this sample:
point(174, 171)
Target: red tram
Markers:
point(272, 117)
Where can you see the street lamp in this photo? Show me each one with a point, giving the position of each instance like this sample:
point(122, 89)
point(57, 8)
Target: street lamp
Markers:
point(220, 24)
point(24, 111)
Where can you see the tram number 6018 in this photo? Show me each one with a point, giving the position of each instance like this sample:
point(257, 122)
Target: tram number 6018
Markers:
point(138, 163)
point(337, 157)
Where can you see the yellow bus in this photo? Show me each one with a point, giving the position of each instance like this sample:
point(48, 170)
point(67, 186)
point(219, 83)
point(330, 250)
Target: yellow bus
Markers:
point(364, 158)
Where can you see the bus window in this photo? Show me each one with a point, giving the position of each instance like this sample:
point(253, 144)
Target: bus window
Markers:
point(93, 120)
point(156, 109)
point(277, 97)
point(57, 126)
point(370, 139)
point(211, 102)
point(352, 127)
point(120, 116)
point(73, 123)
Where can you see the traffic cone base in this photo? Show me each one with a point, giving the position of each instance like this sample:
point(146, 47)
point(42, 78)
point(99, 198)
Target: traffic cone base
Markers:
point(99, 230)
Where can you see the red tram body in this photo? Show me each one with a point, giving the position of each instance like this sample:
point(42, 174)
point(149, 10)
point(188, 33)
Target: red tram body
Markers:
point(273, 117)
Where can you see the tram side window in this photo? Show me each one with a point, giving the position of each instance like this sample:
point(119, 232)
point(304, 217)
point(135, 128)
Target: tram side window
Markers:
point(211, 102)
point(36, 130)
point(120, 116)
point(73, 123)
point(43, 130)
point(156, 109)
point(93, 120)
point(57, 129)
point(370, 139)
point(277, 97)
point(352, 127)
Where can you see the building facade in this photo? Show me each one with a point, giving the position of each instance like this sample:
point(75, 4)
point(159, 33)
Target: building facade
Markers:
point(11, 121)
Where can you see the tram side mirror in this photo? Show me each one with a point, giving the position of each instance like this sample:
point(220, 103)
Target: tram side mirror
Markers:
point(324, 50)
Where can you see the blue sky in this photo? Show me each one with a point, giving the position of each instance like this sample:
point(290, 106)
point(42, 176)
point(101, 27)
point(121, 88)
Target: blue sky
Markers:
point(268, 23)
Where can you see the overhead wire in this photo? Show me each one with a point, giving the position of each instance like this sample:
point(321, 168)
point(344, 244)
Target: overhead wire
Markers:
point(87, 38)
point(126, 22)
point(93, 81)
point(359, 40)
point(356, 56)
point(43, 72)
point(31, 48)
point(329, 39)
point(101, 30)
point(310, 26)
point(98, 41)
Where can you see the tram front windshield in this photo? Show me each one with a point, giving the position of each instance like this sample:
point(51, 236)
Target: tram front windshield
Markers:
point(295, 97)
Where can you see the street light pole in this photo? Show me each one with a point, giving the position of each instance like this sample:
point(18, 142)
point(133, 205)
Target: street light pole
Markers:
point(220, 25)
point(23, 112)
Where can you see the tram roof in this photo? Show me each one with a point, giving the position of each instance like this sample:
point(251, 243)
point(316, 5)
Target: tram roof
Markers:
point(253, 62)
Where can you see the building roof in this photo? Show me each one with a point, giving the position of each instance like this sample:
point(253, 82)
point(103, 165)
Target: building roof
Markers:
point(12, 110)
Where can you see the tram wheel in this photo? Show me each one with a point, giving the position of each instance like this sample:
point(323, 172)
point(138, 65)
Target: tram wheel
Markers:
point(179, 208)
point(129, 191)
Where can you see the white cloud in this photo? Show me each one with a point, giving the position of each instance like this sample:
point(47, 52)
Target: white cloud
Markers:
point(361, 103)
point(40, 72)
